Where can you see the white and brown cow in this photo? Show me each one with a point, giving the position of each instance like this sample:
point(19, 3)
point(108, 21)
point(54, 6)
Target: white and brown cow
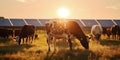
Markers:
point(65, 30)
point(27, 32)
point(96, 32)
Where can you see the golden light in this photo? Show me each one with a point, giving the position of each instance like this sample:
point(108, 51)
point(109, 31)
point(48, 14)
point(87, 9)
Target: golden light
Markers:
point(63, 12)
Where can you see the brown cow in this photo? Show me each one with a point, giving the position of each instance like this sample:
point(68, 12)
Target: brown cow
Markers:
point(115, 31)
point(5, 33)
point(27, 32)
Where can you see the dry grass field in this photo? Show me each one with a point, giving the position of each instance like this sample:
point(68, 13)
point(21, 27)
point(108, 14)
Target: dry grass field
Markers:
point(106, 49)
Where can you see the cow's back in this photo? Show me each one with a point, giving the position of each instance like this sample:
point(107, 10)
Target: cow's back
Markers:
point(74, 28)
point(27, 30)
point(96, 29)
point(5, 33)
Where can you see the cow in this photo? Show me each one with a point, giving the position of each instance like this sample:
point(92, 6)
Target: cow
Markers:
point(27, 32)
point(17, 32)
point(5, 33)
point(96, 32)
point(66, 30)
point(107, 31)
point(119, 33)
point(115, 29)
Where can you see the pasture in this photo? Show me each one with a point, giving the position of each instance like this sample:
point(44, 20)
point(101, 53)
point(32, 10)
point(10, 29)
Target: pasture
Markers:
point(106, 49)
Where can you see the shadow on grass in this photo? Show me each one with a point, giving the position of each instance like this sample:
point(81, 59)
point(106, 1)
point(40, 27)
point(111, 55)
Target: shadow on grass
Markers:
point(110, 42)
point(77, 54)
point(115, 57)
point(81, 54)
point(11, 49)
point(10, 58)
point(5, 40)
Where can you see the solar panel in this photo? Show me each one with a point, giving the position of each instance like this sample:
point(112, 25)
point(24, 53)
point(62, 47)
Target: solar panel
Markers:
point(89, 22)
point(33, 22)
point(5, 22)
point(43, 21)
point(18, 22)
point(106, 23)
point(78, 21)
point(117, 21)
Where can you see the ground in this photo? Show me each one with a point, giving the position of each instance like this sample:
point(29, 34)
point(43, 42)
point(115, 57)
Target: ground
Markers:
point(106, 49)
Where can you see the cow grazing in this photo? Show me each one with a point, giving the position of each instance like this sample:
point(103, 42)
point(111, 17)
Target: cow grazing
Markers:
point(5, 33)
point(96, 32)
point(27, 32)
point(69, 29)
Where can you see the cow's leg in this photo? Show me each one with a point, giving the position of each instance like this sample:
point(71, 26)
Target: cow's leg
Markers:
point(23, 40)
point(19, 41)
point(32, 38)
point(119, 37)
point(70, 42)
point(108, 36)
point(113, 37)
point(54, 44)
point(48, 42)
point(28, 39)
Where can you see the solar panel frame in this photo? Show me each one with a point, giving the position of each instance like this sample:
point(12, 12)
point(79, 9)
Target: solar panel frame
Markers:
point(105, 23)
point(5, 22)
point(117, 21)
point(79, 22)
point(18, 22)
point(33, 22)
point(89, 22)
point(43, 21)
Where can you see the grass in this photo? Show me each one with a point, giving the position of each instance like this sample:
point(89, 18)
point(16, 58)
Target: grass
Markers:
point(105, 50)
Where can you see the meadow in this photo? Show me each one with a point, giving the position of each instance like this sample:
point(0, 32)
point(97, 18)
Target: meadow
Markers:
point(106, 49)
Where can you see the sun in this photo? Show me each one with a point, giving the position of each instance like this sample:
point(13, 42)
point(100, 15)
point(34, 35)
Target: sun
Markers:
point(63, 12)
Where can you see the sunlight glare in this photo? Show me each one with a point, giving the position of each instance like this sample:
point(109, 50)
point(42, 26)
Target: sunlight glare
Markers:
point(63, 12)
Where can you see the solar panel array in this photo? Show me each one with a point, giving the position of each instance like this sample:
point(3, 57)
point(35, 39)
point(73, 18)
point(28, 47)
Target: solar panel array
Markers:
point(117, 22)
point(33, 22)
point(80, 23)
point(41, 22)
point(17, 22)
point(89, 23)
point(106, 23)
point(5, 22)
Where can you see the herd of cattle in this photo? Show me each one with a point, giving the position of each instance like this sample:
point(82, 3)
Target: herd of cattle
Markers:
point(26, 33)
point(112, 32)
point(67, 31)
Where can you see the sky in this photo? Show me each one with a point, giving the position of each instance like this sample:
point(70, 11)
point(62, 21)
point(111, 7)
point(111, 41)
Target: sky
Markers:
point(47, 9)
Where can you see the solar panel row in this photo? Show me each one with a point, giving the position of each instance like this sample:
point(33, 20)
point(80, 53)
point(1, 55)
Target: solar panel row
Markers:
point(5, 22)
point(104, 23)
point(41, 22)
point(22, 22)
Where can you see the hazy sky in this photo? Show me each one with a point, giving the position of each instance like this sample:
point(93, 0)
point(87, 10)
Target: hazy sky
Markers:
point(90, 9)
